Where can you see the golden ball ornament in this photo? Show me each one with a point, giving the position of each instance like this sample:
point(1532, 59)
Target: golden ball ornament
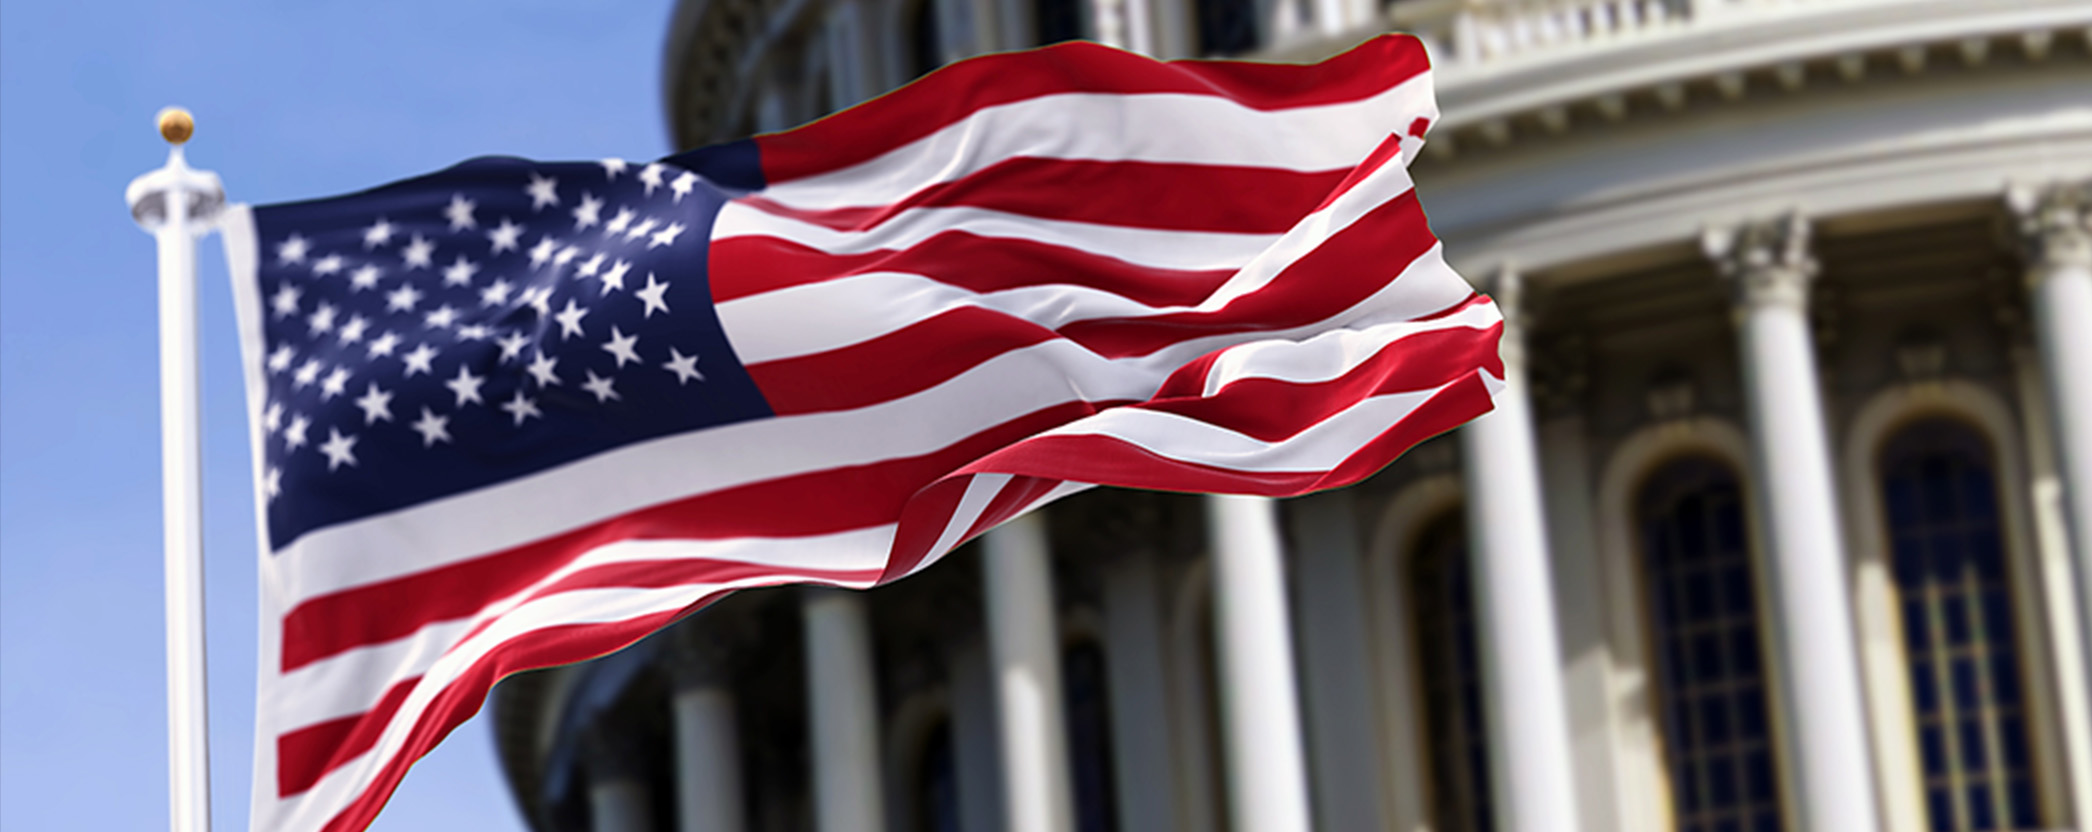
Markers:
point(176, 125)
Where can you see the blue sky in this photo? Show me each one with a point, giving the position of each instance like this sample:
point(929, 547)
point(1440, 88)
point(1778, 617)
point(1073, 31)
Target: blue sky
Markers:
point(293, 99)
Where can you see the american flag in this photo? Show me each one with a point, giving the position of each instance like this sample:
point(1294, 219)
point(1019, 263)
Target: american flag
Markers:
point(516, 414)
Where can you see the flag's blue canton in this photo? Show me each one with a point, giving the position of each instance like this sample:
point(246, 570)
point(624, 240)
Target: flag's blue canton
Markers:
point(480, 324)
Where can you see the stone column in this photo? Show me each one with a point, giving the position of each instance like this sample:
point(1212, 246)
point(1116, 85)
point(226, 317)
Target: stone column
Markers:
point(1260, 726)
point(707, 744)
point(2056, 225)
point(1336, 676)
point(1532, 786)
point(1024, 645)
point(843, 704)
point(1769, 266)
point(617, 795)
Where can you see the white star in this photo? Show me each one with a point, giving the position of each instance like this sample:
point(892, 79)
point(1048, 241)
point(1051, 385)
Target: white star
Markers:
point(600, 387)
point(376, 404)
point(639, 230)
point(615, 278)
point(292, 250)
point(383, 344)
point(441, 317)
point(322, 318)
point(541, 369)
point(589, 267)
point(466, 386)
point(418, 360)
point(683, 184)
point(505, 236)
point(543, 252)
point(522, 407)
point(459, 212)
point(294, 435)
point(543, 191)
point(589, 212)
point(285, 302)
point(419, 253)
point(272, 417)
point(433, 428)
point(272, 483)
point(684, 366)
point(460, 273)
point(539, 298)
point(327, 265)
point(512, 345)
point(565, 256)
point(335, 384)
point(618, 223)
point(364, 277)
point(474, 332)
point(352, 331)
point(308, 372)
point(666, 235)
point(281, 358)
point(622, 346)
point(403, 298)
point(651, 176)
point(379, 233)
point(495, 294)
point(340, 450)
point(570, 319)
point(612, 167)
point(653, 296)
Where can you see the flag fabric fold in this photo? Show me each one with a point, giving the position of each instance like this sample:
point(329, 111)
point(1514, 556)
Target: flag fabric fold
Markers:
point(515, 414)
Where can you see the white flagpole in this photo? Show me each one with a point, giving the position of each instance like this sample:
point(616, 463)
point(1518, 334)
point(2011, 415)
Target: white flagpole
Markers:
point(177, 205)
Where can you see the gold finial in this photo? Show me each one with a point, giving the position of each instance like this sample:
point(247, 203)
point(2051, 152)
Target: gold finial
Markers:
point(176, 125)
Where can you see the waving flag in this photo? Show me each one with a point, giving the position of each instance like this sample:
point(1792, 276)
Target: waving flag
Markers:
point(513, 415)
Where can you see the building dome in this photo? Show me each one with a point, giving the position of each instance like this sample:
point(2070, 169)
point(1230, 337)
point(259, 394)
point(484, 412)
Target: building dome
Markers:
point(1778, 527)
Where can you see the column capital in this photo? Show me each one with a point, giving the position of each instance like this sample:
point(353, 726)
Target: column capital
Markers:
point(1506, 286)
point(2055, 226)
point(1767, 262)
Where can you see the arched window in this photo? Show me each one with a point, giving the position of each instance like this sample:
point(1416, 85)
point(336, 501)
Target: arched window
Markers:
point(1226, 27)
point(936, 799)
point(1054, 21)
point(926, 45)
point(1089, 737)
point(1449, 659)
point(1949, 556)
point(1710, 660)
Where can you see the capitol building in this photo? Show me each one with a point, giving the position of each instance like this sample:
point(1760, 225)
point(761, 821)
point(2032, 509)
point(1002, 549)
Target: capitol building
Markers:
point(1783, 522)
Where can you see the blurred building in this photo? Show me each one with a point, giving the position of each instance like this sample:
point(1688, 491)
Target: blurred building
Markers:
point(1769, 534)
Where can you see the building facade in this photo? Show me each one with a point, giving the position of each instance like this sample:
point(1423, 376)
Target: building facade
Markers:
point(1784, 521)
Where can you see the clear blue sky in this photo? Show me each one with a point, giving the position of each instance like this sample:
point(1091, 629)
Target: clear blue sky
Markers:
point(293, 99)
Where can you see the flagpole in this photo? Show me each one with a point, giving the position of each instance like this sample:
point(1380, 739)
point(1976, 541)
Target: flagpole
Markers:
point(177, 204)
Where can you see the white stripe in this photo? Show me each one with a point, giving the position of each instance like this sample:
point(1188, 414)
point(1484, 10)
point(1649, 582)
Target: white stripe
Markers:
point(1151, 127)
point(980, 491)
point(807, 319)
point(1328, 356)
point(1191, 250)
point(1321, 447)
point(349, 682)
point(616, 482)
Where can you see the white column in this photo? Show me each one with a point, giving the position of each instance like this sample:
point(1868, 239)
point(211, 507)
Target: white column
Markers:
point(707, 744)
point(617, 793)
point(843, 701)
point(2056, 224)
point(1531, 785)
point(1024, 645)
point(1267, 769)
point(1770, 267)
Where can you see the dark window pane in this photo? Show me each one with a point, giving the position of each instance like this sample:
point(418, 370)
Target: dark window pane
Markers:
point(1226, 27)
point(1443, 599)
point(1056, 20)
point(1089, 737)
point(926, 51)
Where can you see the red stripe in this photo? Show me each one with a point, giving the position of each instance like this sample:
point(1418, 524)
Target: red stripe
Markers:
point(1165, 196)
point(305, 755)
point(952, 93)
point(1389, 148)
point(1345, 269)
point(742, 266)
point(906, 361)
point(851, 497)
